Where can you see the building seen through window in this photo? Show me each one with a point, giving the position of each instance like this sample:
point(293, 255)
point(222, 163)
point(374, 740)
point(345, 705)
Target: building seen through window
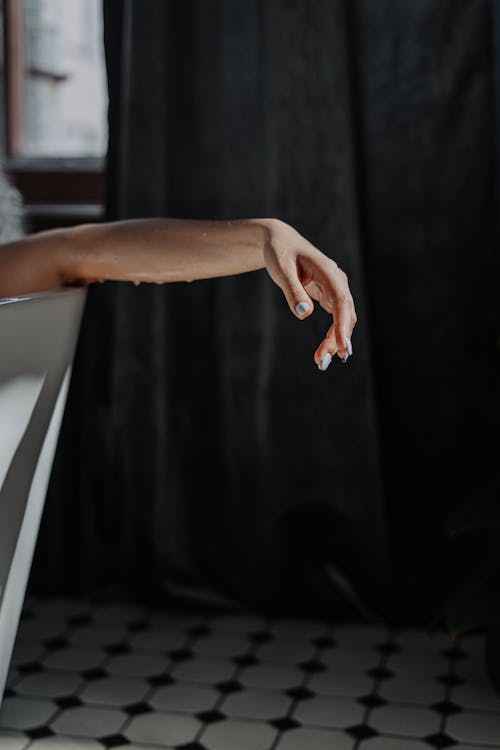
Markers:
point(63, 84)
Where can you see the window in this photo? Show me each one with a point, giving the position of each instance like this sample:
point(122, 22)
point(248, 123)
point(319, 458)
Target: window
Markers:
point(55, 129)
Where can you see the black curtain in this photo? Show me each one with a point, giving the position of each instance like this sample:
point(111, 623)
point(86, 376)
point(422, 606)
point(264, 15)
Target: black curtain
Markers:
point(203, 455)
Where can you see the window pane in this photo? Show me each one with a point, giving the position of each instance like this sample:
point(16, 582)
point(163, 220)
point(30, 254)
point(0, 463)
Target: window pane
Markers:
point(64, 94)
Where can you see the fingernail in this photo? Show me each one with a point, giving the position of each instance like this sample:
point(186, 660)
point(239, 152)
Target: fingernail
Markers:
point(345, 358)
point(325, 361)
point(348, 345)
point(301, 308)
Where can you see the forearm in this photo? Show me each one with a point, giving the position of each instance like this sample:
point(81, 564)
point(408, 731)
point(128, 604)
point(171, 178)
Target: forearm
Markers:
point(152, 250)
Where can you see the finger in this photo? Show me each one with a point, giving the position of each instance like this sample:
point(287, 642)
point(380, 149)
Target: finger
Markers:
point(343, 314)
point(327, 349)
point(299, 302)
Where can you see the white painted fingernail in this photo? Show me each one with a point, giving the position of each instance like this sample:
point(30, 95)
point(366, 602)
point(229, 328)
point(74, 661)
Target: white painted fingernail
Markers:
point(349, 346)
point(301, 308)
point(325, 361)
point(345, 358)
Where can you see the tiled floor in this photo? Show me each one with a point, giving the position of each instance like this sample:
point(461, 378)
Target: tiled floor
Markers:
point(87, 676)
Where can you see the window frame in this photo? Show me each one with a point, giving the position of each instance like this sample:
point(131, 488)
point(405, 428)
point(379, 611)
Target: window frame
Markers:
point(56, 191)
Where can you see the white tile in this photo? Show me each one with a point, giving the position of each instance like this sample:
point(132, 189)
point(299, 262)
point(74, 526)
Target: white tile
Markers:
point(137, 664)
point(412, 690)
point(298, 629)
point(238, 623)
point(118, 613)
point(472, 669)
point(175, 620)
point(48, 684)
point(161, 728)
point(23, 713)
point(482, 728)
point(159, 639)
point(350, 657)
point(368, 635)
point(256, 704)
point(97, 635)
point(86, 721)
point(286, 652)
point(25, 651)
point(314, 739)
point(12, 740)
point(39, 630)
point(473, 644)
point(421, 640)
point(204, 669)
point(66, 743)
point(478, 696)
point(273, 676)
point(184, 697)
point(74, 659)
point(336, 713)
point(55, 608)
point(238, 735)
point(418, 663)
point(335, 682)
point(410, 721)
point(394, 743)
point(114, 691)
point(224, 645)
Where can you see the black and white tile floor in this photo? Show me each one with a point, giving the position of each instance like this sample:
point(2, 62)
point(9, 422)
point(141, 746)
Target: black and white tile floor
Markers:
point(86, 676)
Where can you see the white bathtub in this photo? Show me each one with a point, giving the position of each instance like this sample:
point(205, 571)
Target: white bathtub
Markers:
point(38, 334)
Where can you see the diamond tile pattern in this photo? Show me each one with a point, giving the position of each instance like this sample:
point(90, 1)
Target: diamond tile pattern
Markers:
point(94, 675)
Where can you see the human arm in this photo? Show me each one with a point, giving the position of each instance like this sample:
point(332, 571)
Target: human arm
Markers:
point(167, 250)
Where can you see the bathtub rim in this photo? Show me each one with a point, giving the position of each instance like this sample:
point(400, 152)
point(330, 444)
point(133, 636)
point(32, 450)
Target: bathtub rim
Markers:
point(42, 295)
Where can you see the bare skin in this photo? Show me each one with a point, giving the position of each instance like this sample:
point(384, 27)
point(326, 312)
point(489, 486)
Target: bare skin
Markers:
point(167, 250)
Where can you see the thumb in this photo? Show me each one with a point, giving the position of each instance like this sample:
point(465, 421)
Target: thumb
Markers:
point(298, 299)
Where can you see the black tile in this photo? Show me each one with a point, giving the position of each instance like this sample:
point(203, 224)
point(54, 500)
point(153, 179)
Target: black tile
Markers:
point(160, 679)
point(447, 708)
point(284, 723)
point(191, 746)
point(246, 660)
point(118, 648)
point(197, 631)
point(300, 693)
point(381, 673)
point(362, 732)
point(210, 717)
point(372, 701)
point(180, 654)
point(260, 636)
point(229, 686)
point(68, 701)
point(76, 620)
point(312, 666)
point(96, 673)
point(134, 709)
point(439, 741)
point(30, 667)
point(324, 641)
point(38, 733)
point(114, 740)
point(56, 644)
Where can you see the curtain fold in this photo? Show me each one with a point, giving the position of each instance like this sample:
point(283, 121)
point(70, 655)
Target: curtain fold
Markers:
point(222, 465)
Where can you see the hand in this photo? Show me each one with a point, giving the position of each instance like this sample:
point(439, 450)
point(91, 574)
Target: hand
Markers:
point(304, 273)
